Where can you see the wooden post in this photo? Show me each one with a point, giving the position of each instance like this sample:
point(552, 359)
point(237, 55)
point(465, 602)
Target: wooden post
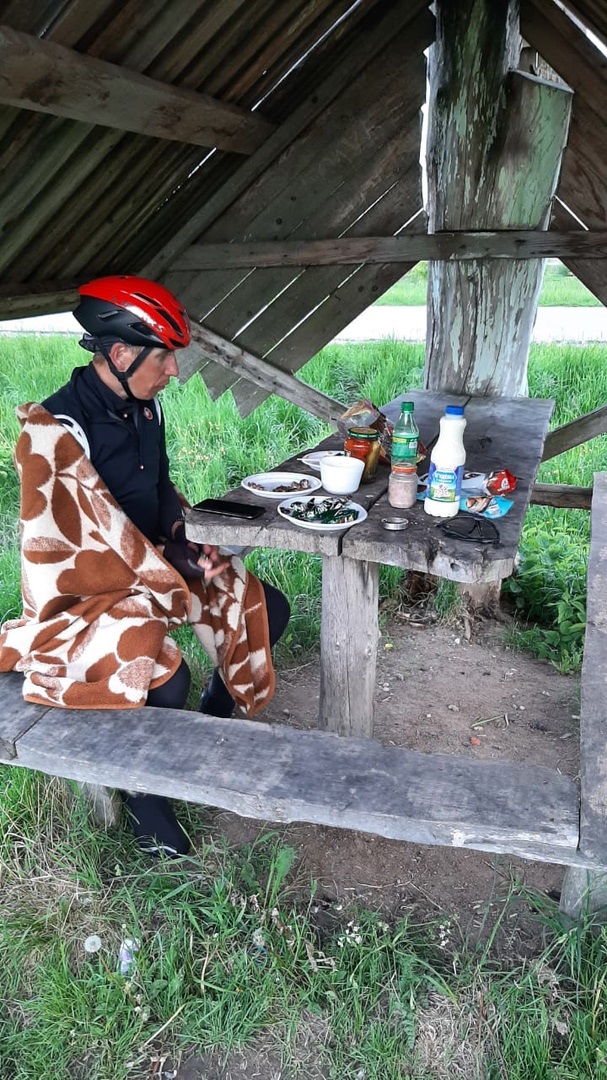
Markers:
point(495, 140)
point(348, 648)
point(104, 803)
point(585, 891)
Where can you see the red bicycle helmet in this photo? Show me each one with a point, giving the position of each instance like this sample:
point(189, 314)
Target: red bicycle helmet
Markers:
point(134, 310)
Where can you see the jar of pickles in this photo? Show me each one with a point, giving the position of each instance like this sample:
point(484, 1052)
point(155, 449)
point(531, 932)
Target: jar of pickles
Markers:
point(363, 443)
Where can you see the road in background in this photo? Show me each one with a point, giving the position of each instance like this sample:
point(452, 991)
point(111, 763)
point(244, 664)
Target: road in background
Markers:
point(580, 324)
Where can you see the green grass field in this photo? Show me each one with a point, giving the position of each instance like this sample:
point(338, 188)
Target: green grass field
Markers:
point(231, 951)
point(560, 289)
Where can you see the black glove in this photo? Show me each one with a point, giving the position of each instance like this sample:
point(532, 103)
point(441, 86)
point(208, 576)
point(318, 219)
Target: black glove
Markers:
point(183, 554)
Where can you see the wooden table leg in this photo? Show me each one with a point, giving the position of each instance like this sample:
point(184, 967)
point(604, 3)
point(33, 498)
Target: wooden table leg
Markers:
point(348, 645)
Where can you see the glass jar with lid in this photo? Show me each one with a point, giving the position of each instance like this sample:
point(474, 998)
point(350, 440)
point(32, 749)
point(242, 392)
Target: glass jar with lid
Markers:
point(363, 443)
point(402, 486)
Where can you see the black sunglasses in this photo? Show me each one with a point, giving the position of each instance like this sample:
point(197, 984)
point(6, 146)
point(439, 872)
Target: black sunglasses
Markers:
point(469, 527)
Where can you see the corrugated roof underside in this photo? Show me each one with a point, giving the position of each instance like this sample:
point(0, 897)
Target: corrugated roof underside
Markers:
point(79, 200)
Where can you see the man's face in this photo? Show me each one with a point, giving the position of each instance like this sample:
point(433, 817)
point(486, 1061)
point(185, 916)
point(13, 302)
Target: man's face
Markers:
point(154, 373)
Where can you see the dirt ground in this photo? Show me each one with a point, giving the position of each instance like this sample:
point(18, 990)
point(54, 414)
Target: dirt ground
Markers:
point(434, 683)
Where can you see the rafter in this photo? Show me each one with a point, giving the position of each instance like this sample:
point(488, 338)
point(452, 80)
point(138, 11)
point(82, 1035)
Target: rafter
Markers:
point(49, 78)
point(412, 247)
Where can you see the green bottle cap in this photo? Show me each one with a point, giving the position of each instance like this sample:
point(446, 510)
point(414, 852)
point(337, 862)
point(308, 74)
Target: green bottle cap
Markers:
point(407, 406)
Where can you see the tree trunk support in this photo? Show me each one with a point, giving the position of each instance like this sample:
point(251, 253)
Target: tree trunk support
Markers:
point(495, 141)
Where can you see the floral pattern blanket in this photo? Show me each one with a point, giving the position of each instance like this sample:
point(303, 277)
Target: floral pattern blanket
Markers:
point(99, 599)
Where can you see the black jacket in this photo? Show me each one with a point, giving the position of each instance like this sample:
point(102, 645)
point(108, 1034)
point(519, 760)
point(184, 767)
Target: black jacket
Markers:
point(125, 442)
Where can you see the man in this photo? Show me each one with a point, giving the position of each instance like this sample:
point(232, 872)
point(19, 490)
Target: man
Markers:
point(100, 521)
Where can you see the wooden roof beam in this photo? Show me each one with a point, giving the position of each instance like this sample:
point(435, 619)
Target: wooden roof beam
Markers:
point(412, 247)
point(567, 49)
point(49, 78)
point(206, 345)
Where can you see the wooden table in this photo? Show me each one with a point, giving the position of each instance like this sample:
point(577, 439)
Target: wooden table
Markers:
point(500, 432)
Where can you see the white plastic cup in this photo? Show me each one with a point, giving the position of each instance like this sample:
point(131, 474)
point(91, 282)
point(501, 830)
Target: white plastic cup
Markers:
point(341, 475)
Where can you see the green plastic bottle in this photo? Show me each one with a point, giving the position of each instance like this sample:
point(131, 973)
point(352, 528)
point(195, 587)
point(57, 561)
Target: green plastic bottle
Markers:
point(405, 437)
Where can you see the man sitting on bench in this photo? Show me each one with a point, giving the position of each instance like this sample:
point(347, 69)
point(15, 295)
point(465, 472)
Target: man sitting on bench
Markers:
point(107, 570)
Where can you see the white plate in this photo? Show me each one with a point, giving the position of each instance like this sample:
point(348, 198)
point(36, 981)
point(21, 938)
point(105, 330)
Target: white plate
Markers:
point(313, 460)
point(283, 510)
point(269, 481)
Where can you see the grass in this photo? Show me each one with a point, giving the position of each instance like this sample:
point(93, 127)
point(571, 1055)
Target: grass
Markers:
point(233, 953)
point(560, 288)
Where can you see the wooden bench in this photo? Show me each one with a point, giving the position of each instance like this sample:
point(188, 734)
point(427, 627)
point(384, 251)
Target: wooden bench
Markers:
point(278, 774)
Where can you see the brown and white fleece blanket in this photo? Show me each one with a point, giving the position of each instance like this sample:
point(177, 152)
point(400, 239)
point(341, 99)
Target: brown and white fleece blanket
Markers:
point(99, 599)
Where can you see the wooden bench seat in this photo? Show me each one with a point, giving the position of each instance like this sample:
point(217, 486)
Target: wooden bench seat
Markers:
point(279, 774)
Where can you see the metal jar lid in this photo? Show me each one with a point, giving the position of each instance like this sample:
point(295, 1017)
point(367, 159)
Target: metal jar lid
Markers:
point(394, 524)
point(363, 433)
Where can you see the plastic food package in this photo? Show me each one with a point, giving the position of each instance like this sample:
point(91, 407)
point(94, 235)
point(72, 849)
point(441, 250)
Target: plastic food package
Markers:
point(499, 482)
point(365, 414)
point(472, 502)
point(488, 506)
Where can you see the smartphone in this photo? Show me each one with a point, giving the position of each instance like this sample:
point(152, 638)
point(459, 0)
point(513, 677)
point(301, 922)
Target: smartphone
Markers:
point(230, 509)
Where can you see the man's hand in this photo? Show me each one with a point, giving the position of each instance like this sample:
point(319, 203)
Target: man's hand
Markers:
point(193, 560)
point(213, 562)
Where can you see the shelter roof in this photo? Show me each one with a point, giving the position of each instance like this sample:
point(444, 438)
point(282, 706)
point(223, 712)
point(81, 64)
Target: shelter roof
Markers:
point(133, 136)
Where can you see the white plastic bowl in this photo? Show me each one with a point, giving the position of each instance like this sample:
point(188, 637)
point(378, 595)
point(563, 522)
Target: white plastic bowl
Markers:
point(341, 475)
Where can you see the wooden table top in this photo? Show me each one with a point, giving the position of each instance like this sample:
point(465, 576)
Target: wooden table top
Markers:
point(500, 433)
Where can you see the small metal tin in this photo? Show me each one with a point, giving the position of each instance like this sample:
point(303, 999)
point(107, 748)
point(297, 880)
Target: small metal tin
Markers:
point(394, 524)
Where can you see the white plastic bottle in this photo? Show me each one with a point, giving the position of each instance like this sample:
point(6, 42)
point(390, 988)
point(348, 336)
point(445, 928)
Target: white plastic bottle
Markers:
point(447, 465)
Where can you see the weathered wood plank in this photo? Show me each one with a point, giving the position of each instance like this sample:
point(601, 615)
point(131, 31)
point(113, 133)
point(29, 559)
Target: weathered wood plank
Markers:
point(448, 246)
point(593, 14)
point(399, 199)
point(50, 78)
point(584, 893)
point(315, 103)
point(565, 496)
point(500, 432)
point(344, 294)
point(337, 311)
point(278, 774)
point(591, 272)
point(575, 433)
point(209, 345)
point(582, 174)
point(350, 209)
point(348, 645)
point(16, 715)
point(593, 724)
point(36, 299)
point(313, 166)
point(566, 48)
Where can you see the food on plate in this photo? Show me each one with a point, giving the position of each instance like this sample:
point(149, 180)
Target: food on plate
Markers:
point(324, 511)
point(295, 485)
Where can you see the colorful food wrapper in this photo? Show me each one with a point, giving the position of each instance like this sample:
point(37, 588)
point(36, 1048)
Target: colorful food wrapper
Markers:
point(488, 506)
point(499, 482)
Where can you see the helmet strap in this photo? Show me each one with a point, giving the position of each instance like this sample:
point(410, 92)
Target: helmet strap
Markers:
point(124, 376)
